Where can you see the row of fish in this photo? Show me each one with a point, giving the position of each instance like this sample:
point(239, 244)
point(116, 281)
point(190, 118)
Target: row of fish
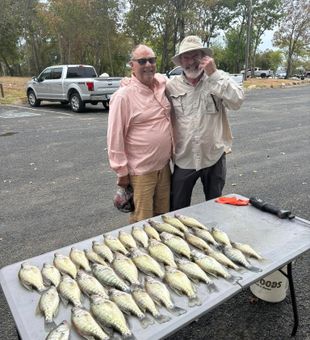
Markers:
point(163, 241)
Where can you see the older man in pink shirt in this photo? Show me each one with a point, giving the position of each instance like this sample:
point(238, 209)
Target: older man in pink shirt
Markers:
point(140, 139)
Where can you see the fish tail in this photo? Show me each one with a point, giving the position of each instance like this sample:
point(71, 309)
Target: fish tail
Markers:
point(177, 310)
point(49, 325)
point(160, 318)
point(254, 269)
point(233, 279)
point(194, 301)
point(146, 321)
point(212, 287)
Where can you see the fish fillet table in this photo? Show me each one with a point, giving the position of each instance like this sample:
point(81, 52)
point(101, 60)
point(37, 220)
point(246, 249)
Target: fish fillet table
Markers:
point(266, 233)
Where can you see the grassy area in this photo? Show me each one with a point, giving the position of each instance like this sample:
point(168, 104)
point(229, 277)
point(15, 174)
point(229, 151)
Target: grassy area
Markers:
point(15, 87)
point(272, 83)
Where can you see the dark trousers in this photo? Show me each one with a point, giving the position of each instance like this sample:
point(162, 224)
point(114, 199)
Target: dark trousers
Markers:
point(184, 180)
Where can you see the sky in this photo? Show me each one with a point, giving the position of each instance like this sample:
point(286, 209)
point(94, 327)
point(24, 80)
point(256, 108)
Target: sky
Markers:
point(267, 41)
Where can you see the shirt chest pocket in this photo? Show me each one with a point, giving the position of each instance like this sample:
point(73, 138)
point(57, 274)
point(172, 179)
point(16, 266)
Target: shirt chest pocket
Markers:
point(180, 104)
point(210, 104)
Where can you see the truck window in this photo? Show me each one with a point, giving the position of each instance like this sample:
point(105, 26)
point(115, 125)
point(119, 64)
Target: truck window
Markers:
point(56, 73)
point(81, 72)
point(45, 75)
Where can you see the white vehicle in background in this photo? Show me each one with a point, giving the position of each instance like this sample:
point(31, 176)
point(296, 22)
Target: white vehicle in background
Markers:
point(73, 84)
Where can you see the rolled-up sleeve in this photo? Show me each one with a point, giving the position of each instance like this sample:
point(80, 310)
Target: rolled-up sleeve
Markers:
point(117, 130)
point(226, 89)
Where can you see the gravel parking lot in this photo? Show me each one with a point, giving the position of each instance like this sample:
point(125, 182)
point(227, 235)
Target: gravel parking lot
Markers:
point(57, 189)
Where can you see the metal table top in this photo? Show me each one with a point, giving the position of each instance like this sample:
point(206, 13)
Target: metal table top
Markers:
point(278, 241)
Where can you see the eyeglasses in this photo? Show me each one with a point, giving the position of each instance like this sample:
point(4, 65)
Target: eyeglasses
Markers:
point(143, 61)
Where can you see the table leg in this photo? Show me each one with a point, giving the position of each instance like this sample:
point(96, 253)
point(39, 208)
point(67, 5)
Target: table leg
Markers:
point(293, 296)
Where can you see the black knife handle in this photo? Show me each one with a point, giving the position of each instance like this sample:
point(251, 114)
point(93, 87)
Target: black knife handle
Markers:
point(263, 206)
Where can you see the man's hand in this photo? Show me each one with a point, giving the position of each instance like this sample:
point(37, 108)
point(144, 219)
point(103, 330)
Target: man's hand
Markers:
point(208, 64)
point(123, 181)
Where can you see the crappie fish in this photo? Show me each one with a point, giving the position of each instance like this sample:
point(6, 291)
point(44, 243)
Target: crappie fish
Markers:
point(94, 257)
point(64, 264)
point(223, 259)
point(90, 285)
point(125, 267)
point(151, 232)
point(103, 251)
point(237, 256)
point(197, 242)
point(69, 291)
point(127, 239)
point(220, 236)
point(30, 277)
point(160, 294)
point(165, 227)
point(107, 276)
point(50, 274)
point(146, 304)
point(140, 236)
point(190, 221)
point(161, 253)
point(210, 265)
point(107, 313)
point(114, 244)
point(49, 304)
point(205, 235)
point(146, 263)
point(180, 284)
point(86, 325)
point(193, 271)
point(176, 244)
point(79, 258)
point(127, 304)
point(174, 222)
point(61, 332)
point(247, 250)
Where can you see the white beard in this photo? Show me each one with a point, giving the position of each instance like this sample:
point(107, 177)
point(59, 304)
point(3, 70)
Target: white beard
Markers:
point(193, 73)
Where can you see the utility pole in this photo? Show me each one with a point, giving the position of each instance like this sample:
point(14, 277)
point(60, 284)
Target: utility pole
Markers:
point(248, 39)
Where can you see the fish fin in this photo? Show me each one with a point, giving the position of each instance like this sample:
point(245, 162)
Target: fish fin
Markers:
point(193, 279)
point(177, 291)
point(177, 310)
point(212, 287)
point(64, 301)
point(49, 325)
point(146, 321)
point(28, 287)
point(38, 310)
point(194, 301)
point(160, 318)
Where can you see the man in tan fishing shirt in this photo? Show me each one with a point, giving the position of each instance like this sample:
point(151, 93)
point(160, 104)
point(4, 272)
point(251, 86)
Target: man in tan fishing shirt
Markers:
point(200, 97)
point(140, 136)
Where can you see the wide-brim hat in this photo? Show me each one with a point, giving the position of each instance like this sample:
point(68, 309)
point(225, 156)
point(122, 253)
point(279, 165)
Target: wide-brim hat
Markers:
point(188, 44)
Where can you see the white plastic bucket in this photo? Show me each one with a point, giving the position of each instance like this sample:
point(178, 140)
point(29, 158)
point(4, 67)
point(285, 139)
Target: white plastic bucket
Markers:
point(272, 288)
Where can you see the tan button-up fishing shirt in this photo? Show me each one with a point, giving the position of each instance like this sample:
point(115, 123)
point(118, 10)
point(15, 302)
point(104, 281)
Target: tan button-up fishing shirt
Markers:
point(201, 129)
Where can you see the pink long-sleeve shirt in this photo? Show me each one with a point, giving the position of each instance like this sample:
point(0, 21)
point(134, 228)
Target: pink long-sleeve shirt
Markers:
point(140, 138)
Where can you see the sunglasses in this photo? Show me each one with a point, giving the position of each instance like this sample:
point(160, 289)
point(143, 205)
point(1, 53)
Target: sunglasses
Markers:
point(143, 61)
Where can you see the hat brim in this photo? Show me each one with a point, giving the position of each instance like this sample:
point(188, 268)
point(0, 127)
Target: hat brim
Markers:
point(206, 50)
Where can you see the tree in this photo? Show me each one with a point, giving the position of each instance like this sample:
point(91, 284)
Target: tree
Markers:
point(293, 34)
point(10, 32)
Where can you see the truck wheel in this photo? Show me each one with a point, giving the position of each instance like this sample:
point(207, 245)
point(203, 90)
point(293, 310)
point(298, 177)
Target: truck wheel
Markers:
point(106, 104)
point(263, 75)
point(32, 99)
point(77, 105)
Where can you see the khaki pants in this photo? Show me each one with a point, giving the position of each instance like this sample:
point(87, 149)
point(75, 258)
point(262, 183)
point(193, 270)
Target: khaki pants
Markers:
point(151, 194)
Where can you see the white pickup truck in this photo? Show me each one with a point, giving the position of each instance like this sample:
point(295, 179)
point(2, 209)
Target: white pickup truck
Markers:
point(74, 84)
point(258, 72)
